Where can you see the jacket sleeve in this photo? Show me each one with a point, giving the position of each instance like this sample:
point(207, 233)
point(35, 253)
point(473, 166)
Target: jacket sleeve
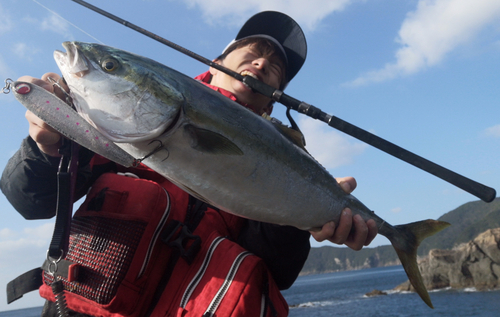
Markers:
point(29, 180)
point(284, 249)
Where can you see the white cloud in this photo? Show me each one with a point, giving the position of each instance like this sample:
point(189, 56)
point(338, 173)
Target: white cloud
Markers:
point(396, 210)
point(24, 52)
point(493, 131)
point(20, 49)
point(433, 30)
point(6, 233)
point(30, 20)
point(42, 232)
point(20, 251)
point(329, 147)
point(56, 24)
point(30, 242)
point(307, 13)
point(5, 71)
point(5, 20)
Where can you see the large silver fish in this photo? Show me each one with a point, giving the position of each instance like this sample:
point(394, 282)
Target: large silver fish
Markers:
point(214, 148)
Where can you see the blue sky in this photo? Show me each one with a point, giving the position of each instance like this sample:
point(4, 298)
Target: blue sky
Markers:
point(421, 74)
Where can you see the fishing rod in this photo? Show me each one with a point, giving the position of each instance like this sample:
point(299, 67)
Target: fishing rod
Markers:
point(479, 190)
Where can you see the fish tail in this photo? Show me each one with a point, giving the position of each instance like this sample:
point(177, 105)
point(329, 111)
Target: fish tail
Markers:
point(406, 241)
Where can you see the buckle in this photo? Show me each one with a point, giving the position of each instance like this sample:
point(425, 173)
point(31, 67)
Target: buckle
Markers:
point(178, 235)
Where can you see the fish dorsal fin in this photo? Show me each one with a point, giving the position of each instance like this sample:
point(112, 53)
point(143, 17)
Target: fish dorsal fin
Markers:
point(211, 142)
point(295, 136)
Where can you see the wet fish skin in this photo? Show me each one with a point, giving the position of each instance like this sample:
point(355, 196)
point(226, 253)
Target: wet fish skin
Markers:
point(106, 104)
point(216, 149)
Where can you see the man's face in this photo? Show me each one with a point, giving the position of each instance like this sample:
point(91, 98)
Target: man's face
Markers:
point(248, 61)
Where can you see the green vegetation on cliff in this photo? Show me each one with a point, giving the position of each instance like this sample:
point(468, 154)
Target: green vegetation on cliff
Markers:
point(467, 221)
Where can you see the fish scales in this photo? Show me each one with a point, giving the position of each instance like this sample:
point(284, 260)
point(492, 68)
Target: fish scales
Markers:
point(250, 185)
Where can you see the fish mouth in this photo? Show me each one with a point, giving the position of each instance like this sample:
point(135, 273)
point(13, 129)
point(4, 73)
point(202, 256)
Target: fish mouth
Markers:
point(73, 61)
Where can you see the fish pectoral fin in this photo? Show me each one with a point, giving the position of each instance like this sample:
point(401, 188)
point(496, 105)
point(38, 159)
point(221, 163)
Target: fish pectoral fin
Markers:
point(195, 194)
point(211, 142)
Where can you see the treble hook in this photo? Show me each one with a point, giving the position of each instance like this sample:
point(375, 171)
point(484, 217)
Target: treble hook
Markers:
point(56, 83)
point(156, 150)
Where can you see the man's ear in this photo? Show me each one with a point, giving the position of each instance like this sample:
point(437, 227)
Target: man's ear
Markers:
point(268, 108)
point(214, 71)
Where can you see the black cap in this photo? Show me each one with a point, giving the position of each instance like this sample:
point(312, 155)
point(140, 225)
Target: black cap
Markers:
point(283, 31)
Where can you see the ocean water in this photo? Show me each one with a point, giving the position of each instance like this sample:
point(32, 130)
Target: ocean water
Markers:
point(343, 294)
point(27, 312)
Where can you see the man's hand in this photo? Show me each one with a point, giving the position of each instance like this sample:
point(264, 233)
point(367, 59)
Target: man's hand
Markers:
point(352, 231)
point(47, 139)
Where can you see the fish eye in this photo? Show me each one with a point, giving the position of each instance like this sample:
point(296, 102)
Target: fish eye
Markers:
point(110, 64)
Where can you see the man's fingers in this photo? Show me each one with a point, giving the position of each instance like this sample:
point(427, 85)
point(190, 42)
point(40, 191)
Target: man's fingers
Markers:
point(326, 232)
point(47, 139)
point(348, 184)
point(372, 231)
point(43, 136)
point(353, 231)
point(358, 236)
point(39, 82)
point(46, 84)
point(344, 228)
point(33, 120)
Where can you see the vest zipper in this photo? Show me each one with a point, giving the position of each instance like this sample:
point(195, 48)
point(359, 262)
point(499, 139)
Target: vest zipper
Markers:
point(156, 234)
point(197, 278)
point(225, 286)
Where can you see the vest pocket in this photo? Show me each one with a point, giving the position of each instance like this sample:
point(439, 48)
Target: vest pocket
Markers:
point(227, 281)
point(115, 245)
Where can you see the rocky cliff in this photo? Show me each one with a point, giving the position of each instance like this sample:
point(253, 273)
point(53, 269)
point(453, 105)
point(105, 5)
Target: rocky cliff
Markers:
point(331, 259)
point(472, 264)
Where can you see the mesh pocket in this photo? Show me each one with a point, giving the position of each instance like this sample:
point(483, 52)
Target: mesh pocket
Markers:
point(104, 248)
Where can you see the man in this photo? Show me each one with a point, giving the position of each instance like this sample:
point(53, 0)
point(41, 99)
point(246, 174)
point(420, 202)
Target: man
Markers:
point(270, 47)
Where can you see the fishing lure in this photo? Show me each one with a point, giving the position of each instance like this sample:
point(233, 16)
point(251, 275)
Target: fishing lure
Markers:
point(61, 116)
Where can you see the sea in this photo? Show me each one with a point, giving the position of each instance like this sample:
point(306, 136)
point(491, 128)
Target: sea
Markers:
point(343, 294)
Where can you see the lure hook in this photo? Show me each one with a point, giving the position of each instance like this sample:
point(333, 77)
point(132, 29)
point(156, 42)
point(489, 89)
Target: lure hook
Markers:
point(56, 83)
point(156, 150)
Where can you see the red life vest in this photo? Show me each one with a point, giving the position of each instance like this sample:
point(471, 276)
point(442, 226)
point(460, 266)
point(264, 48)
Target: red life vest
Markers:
point(137, 250)
point(137, 255)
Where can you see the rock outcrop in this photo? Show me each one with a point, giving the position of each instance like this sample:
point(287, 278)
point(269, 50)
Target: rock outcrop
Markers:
point(473, 264)
point(375, 292)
